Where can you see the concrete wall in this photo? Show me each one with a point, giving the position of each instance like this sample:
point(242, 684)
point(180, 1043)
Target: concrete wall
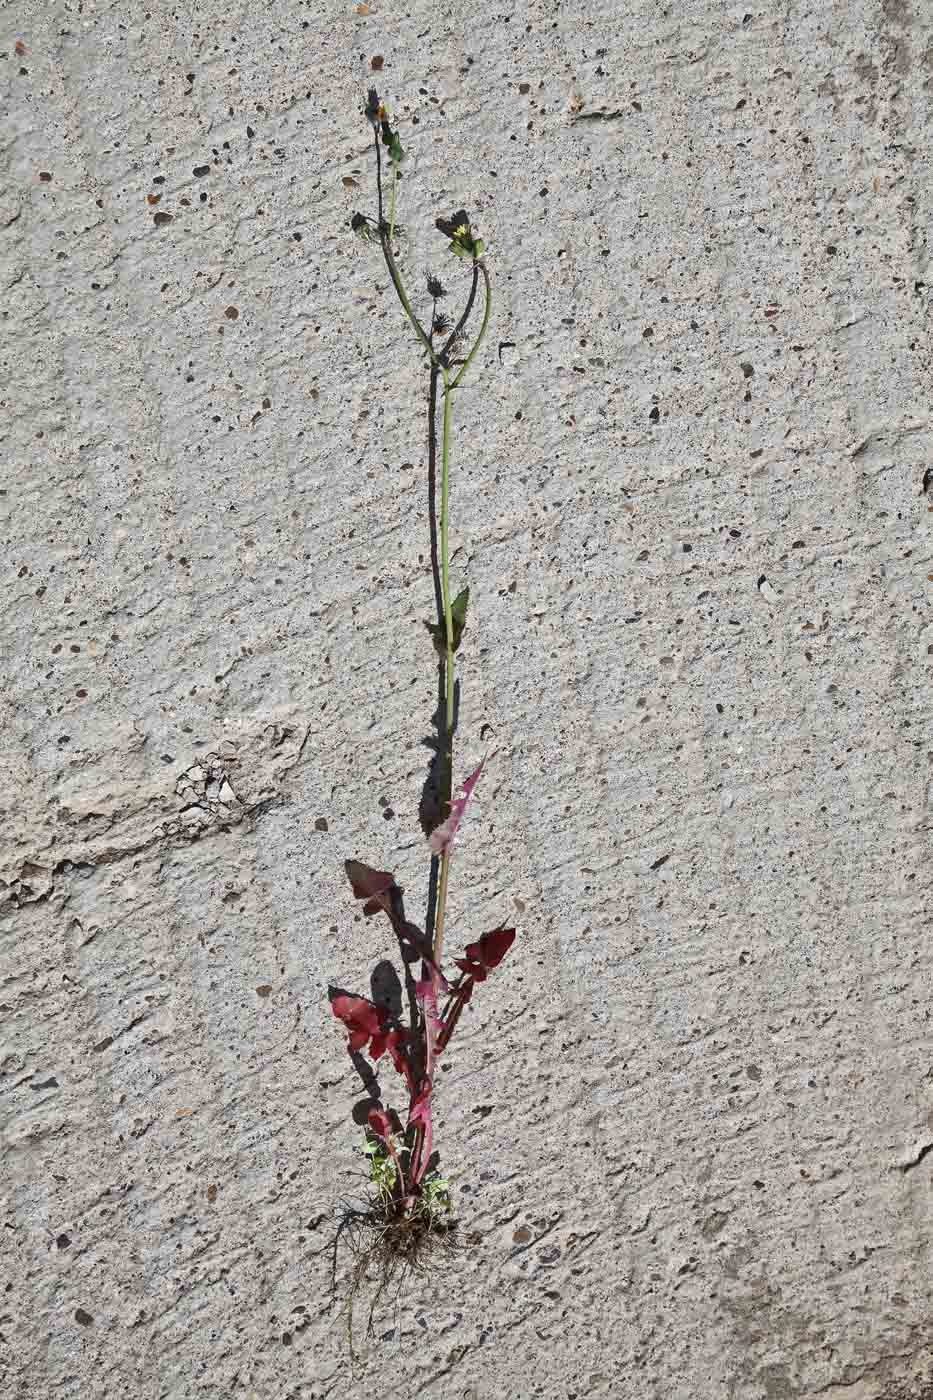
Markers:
point(687, 1121)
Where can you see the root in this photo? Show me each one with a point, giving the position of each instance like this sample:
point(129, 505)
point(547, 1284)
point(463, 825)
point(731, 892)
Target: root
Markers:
point(388, 1242)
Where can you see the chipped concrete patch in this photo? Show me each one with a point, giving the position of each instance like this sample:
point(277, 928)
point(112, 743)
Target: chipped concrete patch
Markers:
point(97, 822)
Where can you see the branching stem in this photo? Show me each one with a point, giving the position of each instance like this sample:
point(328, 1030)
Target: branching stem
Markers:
point(441, 364)
point(392, 201)
point(482, 330)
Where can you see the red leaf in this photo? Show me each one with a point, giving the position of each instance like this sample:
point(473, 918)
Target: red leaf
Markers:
point(420, 1111)
point(472, 969)
point(442, 837)
point(426, 992)
point(379, 1123)
point(368, 1029)
point(488, 953)
point(491, 948)
point(394, 1042)
point(362, 1019)
point(356, 1011)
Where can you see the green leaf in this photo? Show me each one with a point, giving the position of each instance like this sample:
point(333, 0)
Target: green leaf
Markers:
point(436, 1192)
point(458, 612)
point(390, 139)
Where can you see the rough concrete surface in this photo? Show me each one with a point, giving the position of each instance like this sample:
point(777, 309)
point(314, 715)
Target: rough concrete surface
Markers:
point(689, 1121)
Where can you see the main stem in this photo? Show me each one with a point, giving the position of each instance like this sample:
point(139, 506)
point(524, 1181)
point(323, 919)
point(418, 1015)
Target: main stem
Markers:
point(392, 201)
point(449, 663)
point(438, 364)
point(449, 387)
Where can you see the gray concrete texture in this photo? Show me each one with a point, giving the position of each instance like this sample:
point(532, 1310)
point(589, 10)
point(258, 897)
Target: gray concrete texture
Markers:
point(687, 1121)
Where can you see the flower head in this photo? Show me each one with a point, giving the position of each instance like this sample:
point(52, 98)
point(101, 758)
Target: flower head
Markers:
point(462, 241)
point(375, 112)
point(364, 228)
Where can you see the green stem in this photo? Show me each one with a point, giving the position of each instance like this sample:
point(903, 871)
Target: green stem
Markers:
point(385, 239)
point(385, 236)
point(482, 330)
point(457, 331)
point(441, 910)
point(378, 173)
point(449, 663)
point(445, 546)
point(392, 202)
point(400, 291)
point(449, 386)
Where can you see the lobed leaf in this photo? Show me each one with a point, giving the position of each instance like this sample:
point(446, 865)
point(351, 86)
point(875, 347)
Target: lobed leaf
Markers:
point(369, 1029)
